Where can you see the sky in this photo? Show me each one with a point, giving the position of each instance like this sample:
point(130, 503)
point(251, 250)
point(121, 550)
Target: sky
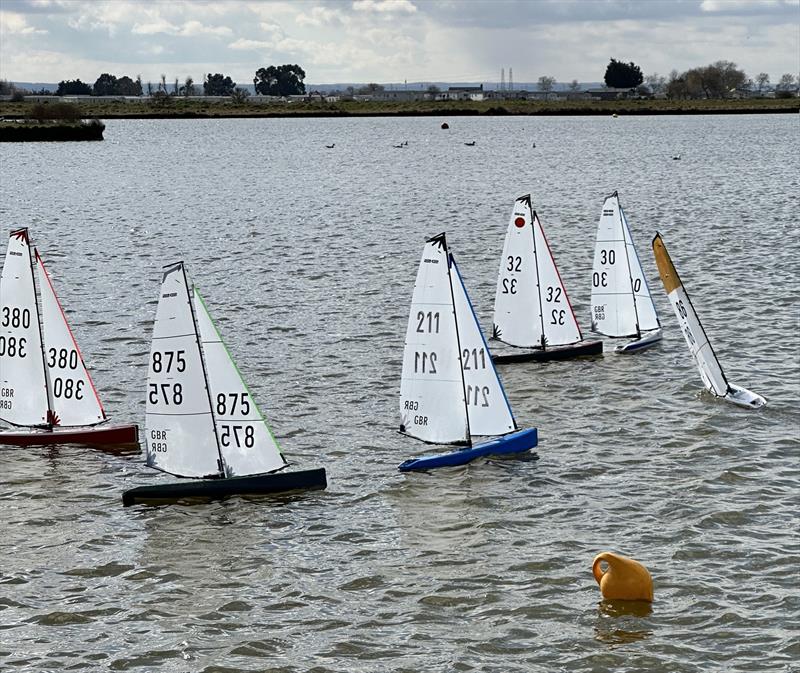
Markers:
point(391, 40)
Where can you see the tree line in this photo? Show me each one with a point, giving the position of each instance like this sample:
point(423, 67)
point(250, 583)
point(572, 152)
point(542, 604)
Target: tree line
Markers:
point(722, 79)
point(281, 80)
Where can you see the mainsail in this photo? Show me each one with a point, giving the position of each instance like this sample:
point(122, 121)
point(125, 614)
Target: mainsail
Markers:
point(432, 404)
point(699, 345)
point(181, 438)
point(24, 396)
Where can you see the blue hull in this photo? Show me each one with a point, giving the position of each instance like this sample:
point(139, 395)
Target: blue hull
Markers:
point(516, 442)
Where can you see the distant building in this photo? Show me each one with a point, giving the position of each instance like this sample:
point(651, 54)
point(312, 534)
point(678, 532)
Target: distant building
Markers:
point(462, 93)
point(612, 93)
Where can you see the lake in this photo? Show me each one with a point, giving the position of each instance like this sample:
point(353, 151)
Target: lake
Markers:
point(306, 257)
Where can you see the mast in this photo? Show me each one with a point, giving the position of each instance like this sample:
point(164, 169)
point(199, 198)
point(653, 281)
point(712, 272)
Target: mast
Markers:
point(51, 417)
point(220, 461)
point(538, 278)
point(628, 262)
point(450, 262)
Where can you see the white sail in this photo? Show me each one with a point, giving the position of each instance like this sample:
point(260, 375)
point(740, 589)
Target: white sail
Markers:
point(432, 405)
point(517, 311)
point(180, 428)
point(558, 319)
point(704, 356)
point(23, 383)
point(246, 442)
point(645, 309)
point(613, 302)
point(73, 396)
point(487, 405)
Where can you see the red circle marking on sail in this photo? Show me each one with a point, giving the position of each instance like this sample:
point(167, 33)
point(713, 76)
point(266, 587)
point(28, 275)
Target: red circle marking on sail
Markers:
point(520, 222)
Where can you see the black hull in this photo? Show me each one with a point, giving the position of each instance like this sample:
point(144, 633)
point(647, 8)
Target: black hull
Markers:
point(207, 489)
point(554, 353)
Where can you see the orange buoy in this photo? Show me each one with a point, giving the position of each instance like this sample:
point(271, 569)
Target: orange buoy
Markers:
point(624, 579)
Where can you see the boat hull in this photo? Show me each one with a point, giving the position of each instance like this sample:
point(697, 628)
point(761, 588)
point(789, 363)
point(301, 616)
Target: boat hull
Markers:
point(516, 442)
point(647, 340)
point(555, 353)
point(744, 398)
point(96, 435)
point(209, 489)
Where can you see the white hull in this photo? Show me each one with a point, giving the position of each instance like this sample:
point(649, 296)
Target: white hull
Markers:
point(647, 339)
point(744, 398)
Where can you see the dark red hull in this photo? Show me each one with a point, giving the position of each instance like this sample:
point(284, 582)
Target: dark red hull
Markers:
point(98, 435)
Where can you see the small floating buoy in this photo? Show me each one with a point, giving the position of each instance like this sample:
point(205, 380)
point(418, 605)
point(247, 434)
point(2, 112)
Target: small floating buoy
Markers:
point(534, 145)
point(677, 157)
point(624, 579)
point(445, 125)
point(615, 115)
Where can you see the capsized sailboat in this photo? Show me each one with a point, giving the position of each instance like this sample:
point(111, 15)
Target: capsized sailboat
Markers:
point(449, 390)
point(202, 422)
point(700, 347)
point(531, 308)
point(46, 392)
point(621, 301)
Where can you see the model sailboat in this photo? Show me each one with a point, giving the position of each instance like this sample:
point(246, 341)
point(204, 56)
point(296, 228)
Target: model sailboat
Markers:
point(531, 306)
point(450, 391)
point(699, 346)
point(45, 389)
point(621, 301)
point(202, 422)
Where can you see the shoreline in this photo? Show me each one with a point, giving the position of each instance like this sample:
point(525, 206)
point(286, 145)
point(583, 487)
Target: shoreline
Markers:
point(183, 109)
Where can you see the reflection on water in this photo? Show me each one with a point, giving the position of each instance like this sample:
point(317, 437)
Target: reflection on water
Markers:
point(621, 622)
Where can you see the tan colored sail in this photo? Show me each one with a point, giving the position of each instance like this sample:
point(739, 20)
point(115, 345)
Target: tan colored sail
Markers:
point(666, 269)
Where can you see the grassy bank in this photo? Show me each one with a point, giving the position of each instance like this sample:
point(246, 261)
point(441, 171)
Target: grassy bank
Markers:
point(181, 108)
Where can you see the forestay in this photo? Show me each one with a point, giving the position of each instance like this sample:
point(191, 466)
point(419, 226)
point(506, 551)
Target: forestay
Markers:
point(180, 427)
point(246, 442)
point(432, 405)
point(487, 405)
point(23, 385)
point(74, 398)
point(699, 346)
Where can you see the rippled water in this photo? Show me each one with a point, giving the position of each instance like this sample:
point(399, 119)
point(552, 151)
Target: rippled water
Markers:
point(307, 257)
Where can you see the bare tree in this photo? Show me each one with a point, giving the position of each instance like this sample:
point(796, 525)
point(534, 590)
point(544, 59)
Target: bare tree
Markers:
point(657, 83)
point(574, 87)
point(762, 80)
point(188, 88)
point(546, 84)
point(239, 96)
point(786, 82)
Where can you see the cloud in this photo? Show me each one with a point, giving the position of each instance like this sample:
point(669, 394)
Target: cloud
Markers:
point(15, 24)
point(188, 29)
point(385, 6)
